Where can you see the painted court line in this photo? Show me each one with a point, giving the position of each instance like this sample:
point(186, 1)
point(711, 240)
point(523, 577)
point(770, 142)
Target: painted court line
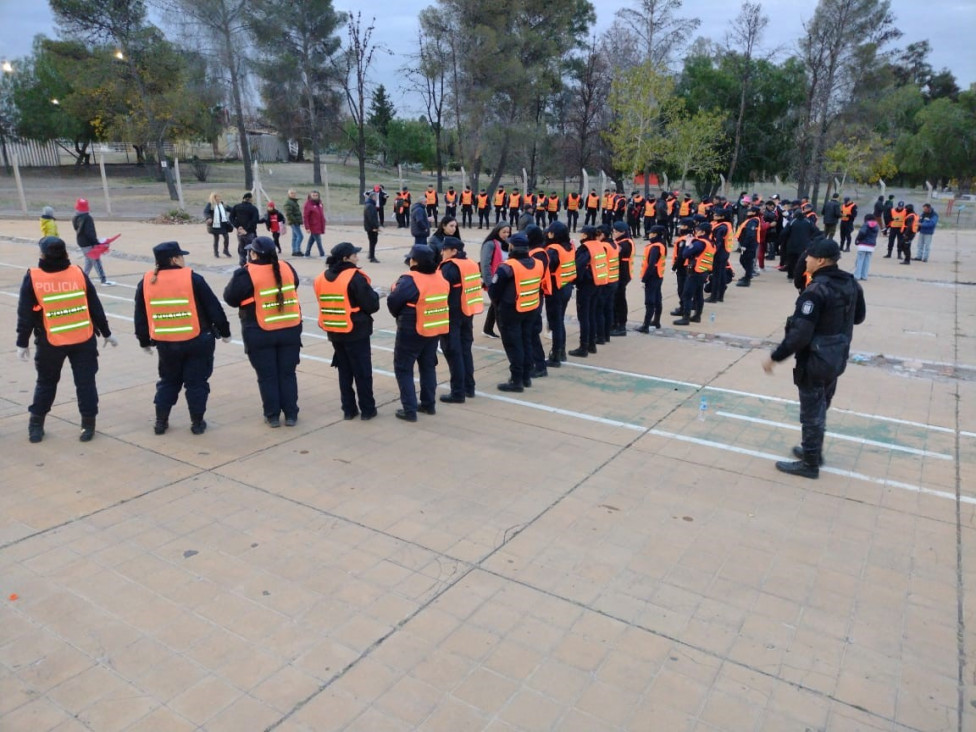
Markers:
point(838, 436)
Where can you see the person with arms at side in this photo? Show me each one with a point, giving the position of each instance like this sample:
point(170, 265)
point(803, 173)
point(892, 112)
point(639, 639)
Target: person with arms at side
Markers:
point(625, 253)
point(178, 313)
point(244, 217)
point(652, 276)
point(591, 275)
point(347, 301)
point(467, 207)
point(293, 217)
point(430, 202)
point(572, 205)
point(516, 292)
point(926, 228)
point(537, 250)
point(419, 302)
point(822, 323)
point(60, 307)
point(832, 214)
point(848, 215)
point(265, 291)
point(484, 209)
point(218, 223)
point(466, 300)
point(450, 202)
point(683, 234)
point(419, 223)
point(492, 249)
point(867, 239)
point(698, 259)
point(313, 215)
point(49, 224)
point(447, 227)
point(748, 238)
point(895, 224)
point(84, 226)
point(371, 224)
point(909, 229)
point(562, 272)
point(274, 221)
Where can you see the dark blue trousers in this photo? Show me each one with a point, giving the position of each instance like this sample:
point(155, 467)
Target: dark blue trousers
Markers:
point(516, 333)
point(185, 365)
point(538, 352)
point(456, 346)
point(354, 361)
point(412, 348)
point(556, 304)
point(694, 294)
point(586, 297)
point(719, 276)
point(653, 302)
point(275, 364)
point(604, 315)
point(49, 360)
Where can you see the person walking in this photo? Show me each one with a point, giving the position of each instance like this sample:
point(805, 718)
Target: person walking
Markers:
point(265, 291)
point(819, 334)
point(178, 313)
point(218, 223)
point(245, 217)
point(347, 302)
point(91, 245)
point(314, 217)
point(59, 306)
point(293, 217)
point(466, 300)
point(49, 224)
point(492, 249)
point(274, 221)
point(832, 214)
point(926, 228)
point(419, 302)
point(516, 293)
point(371, 224)
point(867, 239)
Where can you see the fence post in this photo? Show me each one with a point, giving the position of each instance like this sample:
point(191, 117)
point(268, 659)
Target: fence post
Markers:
point(179, 183)
point(325, 181)
point(101, 168)
point(20, 184)
point(586, 182)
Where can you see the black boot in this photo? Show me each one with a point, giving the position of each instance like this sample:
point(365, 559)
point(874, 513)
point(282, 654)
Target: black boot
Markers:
point(162, 420)
point(591, 348)
point(552, 361)
point(798, 453)
point(806, 468)
point(87, 429)
point(562, 354)
point(35, 428)
point(511, 385)
point(644, 327)
point(198, 425)
point(683, 320)
point(677, 311)
point(656, 320)
point(695, 317)
point(579, 352)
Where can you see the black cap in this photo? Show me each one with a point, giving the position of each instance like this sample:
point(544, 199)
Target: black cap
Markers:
point(53, 248)
point(452, 242)
point(558, 231)
point(824, 249)
point(263, 245)
point(605, 230)
point(535, 236)
point(659, 230)
point(702, 226)
point(420, 253)
point(247, 196)
point(620, 226)
point(344, 249)
point(167, 250)
point(686, 223)
point(518, 241)
point(588, 231)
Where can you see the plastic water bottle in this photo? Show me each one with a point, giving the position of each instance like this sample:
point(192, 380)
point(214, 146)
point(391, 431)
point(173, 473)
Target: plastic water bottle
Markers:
point(711, 318)
point(702, 409)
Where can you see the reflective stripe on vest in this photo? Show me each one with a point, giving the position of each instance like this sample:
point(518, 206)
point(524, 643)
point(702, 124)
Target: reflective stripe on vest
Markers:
point(566, 273)
point(433, 312)
point(335, 310)
point(170, 305)
point(472, 294)
point(662, 255)
point(598, 261)
point(528, 285)
point(728, 238)
point(265, 297)
point(613, 261)
point(705, 261)
point(62, 298)
point(742, 226)
point(627, 263)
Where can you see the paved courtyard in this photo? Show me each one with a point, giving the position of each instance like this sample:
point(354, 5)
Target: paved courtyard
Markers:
point(590, 555)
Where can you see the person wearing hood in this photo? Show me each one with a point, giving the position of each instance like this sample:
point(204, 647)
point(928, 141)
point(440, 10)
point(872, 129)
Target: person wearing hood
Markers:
point(419, 223)
point(867, 239)
point(84, 226)
point(49, 224)
point(819, 334)
point(274, 220)
point(178, 313)
point(347, 301)
point(516, 291)
point(419, 302)
point(562, 272)
point(59, 306)
point(265, 291)
point(466, 300)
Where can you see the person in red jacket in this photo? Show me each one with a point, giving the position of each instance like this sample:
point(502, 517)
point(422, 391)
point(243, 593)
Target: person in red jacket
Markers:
point(314, 217)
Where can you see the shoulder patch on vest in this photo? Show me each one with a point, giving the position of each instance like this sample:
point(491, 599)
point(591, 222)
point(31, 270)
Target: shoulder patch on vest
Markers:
point(807, 307)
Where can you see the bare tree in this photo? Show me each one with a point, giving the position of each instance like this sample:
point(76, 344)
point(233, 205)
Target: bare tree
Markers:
point(430, 77)
point(587, 114)
point(745, 35)
point(653, 32)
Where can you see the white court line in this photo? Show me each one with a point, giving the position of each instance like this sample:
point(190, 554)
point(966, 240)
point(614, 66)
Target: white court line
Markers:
point(838, 436)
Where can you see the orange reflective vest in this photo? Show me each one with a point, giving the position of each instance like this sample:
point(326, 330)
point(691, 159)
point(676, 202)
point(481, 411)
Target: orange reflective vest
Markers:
point(482, 201)
point(265, 298)
point(679, 246)
point(662, 256)
point(626, 263)
point(704, 208)
point(613, 260)
point(897, 218)
point(649, 208)
point(467, 198)
point(514, 200)
point(592, 201)
point(670, 203)
point(335, 310)
point(742, 226)
point(727, 237)
point(637, 202)
point(685, 208)
point(528, 284)
point(405, 195)
point(704, 261)
point(449, 198)
point(846, 211)
point(170, 305)
point(553, 205)
point(573, 202)
point(472, 295)
point(499, 199)
point(598, 261)
point(62, 298)
point(430, 198)
point(565, 273)
point(608, 202)
point(433, 312)
point(911, 223)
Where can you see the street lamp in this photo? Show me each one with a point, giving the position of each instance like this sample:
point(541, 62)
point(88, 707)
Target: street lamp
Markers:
point(119, 55)
point(6, 67)
point(55, 102)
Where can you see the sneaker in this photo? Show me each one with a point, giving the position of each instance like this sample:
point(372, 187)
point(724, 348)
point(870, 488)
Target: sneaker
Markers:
point(291, 421)
point(273, 422)
point(108, 283)
point(491, 334)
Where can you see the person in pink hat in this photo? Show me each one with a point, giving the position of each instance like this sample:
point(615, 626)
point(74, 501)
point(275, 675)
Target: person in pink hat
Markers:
point(87, 239)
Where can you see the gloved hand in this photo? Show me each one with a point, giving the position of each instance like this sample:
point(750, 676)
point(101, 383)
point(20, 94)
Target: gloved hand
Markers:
point(110, 340)
point(147, 350)
point(225, 339)
point(23, 353)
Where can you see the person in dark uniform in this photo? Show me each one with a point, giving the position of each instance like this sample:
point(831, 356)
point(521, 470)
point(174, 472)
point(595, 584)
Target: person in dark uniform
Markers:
point(625, 245)
point(466, 300)
point(831, 305)
point(698, 259)
point(591, 274)
point(516, 291)
point(347, 302)
point(266, 293)
point(748, 238)
point(721, 229)
point(419, 302)
point(652, 276)
point(607, 294)
point(372, 224)
point(537, 250)
point(801, 232)
point(59, 305)
point(245, 218)
point(562, 272)
point(178, 313)
point(684, 233)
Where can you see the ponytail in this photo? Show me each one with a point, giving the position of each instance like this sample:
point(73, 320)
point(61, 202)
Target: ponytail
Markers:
point(280, 297)
point(155, 274)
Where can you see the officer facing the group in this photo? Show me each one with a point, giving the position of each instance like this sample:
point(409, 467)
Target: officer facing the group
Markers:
point(419, 302)
point(698, 258)
point(466, 300)
point(266, 293)
point(59, 305)
point(625, 245)
point(591, 275)
point(825, 315)
point(347, 302)
point(177, 312)
point(516, 291)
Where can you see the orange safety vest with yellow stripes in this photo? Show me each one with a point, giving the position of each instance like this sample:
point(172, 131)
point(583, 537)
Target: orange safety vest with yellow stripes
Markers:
point(170, 305)
point(528, 284)
point(335, 310)
point(598, 261)
point(728, 239)
point(472, 295)
point(62, 299)
point(433, 312)
point(566, 271)
point(573, 202)
point(265, 297)
point(626, 263)
point(662, 256)
point(705, 261)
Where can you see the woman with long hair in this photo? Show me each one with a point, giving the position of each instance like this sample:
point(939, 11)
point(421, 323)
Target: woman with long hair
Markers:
point(492, 249)
point(218, 223)
point(448, 226)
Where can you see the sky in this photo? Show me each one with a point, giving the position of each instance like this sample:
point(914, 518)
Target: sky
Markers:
point(948, 26)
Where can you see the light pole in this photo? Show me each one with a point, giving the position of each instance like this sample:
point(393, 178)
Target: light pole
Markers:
point(6, 72)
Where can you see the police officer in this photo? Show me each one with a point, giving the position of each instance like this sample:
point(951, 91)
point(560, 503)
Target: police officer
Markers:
point(684, 233)
point(748, 237)
point(607, 294)
point(591, 275)
point(562, 272)
point(419, 302)
point(721, 236)
point(59, 305)
point(830, 305)
point(625, 246)
point(466, 300)
point(244, 217)
point(537, 250)
point(516, 291)
point(652, 276)
point(177, 312)
point(698, 259)
point(347, 302)
point(266, 293)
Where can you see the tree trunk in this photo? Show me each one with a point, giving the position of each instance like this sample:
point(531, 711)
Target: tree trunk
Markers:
point(439, 157)
point(235, 89)
point(361, 147)
point(502, 162)
point(737, 140)
point(166, 170)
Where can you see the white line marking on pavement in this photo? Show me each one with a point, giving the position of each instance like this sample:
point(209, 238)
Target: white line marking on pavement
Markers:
point(838, 436)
